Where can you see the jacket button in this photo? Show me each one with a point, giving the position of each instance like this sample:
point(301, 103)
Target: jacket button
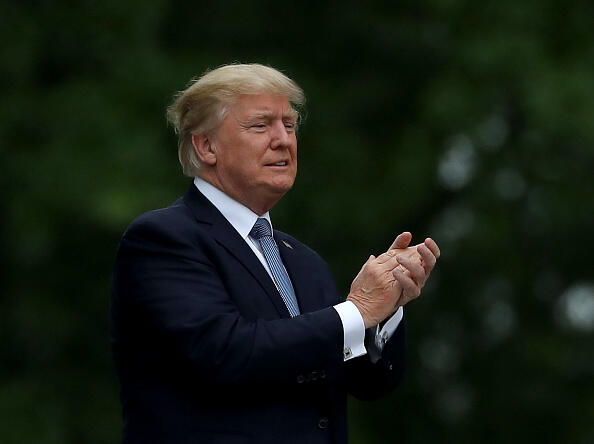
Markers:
point(323, 422)
point(300, 379)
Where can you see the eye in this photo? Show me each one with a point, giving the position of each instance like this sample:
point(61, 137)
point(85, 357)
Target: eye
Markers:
point(289, 126)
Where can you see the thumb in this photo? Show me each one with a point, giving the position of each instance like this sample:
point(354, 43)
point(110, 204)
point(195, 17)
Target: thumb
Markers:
point(402, 240)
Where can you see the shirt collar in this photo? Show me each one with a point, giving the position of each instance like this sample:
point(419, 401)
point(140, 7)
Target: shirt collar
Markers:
point(238, 215)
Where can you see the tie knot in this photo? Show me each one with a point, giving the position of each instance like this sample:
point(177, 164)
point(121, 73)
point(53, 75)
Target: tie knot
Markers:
point(261, 229)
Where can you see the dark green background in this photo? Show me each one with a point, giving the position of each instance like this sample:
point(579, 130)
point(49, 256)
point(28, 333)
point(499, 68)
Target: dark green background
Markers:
point(469, 121)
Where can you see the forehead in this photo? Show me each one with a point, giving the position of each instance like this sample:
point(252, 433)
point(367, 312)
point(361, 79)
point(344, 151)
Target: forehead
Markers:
point(267, 104)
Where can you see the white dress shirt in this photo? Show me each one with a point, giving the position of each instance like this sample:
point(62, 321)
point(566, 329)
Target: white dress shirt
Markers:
point(243, 220)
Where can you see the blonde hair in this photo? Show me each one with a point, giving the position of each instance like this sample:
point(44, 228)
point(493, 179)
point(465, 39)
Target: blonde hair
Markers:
point(202, 106)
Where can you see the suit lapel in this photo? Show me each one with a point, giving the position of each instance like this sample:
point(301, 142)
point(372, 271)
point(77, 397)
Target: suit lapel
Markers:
point(229, 238)
point(242, 252)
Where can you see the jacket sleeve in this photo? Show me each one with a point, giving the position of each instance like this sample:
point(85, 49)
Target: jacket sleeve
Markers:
point(366, 380)
point(165, 287)
point(369, 381)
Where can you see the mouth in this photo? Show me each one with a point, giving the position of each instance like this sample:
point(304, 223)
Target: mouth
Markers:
point(282, 163)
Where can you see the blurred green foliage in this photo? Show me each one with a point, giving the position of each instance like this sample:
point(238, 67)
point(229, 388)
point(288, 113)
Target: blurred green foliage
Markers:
point(471, 122)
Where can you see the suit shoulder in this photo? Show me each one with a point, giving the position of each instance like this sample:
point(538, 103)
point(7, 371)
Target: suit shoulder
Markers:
point(175, 220)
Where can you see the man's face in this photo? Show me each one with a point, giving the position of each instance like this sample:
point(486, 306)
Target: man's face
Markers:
point(256, 151)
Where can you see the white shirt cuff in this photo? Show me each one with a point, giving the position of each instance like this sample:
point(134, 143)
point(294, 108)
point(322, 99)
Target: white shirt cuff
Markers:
point(353, 328)
point(377, 337)
point(382, 336)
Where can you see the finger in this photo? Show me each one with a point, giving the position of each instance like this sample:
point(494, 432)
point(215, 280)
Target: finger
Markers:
point(411, 252)
point(410, 289)
point(385, 257)
point(432, 245)
point(397, 291)
point(402, 240)
point(387, 260)
point(429, 259)
point(416, 269)
point(390, 263)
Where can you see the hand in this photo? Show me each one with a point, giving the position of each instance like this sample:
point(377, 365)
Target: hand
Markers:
point(400, 246)
point(416, 272)
point(374, 290)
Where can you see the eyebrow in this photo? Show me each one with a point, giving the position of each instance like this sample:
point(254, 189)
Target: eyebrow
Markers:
point(267, 114)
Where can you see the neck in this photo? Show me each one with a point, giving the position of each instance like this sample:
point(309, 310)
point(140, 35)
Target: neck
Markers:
point(258, 204)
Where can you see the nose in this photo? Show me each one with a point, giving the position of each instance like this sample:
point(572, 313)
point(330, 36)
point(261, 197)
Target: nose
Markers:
point(281, 137)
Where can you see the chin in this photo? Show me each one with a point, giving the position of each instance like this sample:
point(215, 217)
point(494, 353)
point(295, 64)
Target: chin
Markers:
point(283, 188)
point(282, 185)
point(280, 191)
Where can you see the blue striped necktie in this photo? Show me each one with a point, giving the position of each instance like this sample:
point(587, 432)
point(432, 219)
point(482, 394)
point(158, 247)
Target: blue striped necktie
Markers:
point(263, 233)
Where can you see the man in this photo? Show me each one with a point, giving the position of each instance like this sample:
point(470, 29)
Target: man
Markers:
point(226, 331)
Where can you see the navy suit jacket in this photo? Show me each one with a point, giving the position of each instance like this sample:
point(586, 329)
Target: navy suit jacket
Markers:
point(205, 349)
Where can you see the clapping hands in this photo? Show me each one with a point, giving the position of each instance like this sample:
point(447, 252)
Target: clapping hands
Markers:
point(393, 279)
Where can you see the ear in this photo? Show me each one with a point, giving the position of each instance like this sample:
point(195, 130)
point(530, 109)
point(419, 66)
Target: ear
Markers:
point(204, 149)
